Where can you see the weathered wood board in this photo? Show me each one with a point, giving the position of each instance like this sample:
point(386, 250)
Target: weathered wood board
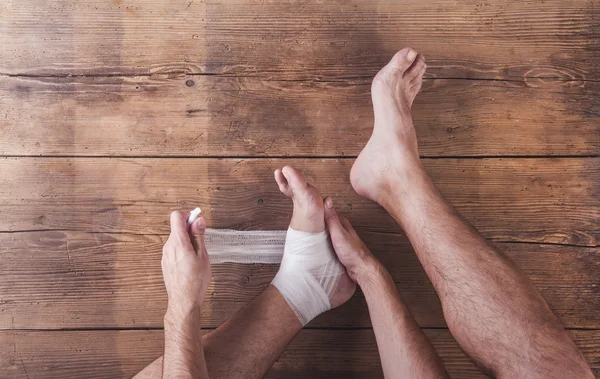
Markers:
point(313, 353)
point(67, 280)
point(300, 40)
point(182, 115)
point(532, 200)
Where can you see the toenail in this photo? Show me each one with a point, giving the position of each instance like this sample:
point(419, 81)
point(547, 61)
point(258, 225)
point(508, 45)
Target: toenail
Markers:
point(411, 55)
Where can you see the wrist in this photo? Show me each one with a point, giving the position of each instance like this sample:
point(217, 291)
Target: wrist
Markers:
point(176, 317)
point(370, 270)
point(376, 282)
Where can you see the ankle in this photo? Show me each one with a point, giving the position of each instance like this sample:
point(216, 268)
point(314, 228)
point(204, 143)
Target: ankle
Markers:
point(402, 181)
point(309, 274)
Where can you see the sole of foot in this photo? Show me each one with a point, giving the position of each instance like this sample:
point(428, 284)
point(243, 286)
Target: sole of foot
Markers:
point(392, 147)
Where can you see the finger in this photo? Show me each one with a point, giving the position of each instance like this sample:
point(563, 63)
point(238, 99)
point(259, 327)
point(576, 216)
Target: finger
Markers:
point(179, 229)
point(347, 225)
point(197, 232)
point(198, 227)
point(335, 227)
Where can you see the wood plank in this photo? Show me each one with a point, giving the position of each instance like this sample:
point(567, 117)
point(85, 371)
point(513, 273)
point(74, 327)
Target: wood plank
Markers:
point(66, 280)
point(296, 40)
point(313, 353)
point(163, 116)
point(532, 200)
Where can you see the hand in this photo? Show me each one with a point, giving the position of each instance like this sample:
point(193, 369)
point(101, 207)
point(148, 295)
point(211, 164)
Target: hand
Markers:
point(185, 266)
point(350, 249)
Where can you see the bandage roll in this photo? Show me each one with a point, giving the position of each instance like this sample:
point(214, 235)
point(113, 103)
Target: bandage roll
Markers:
point(226, 245)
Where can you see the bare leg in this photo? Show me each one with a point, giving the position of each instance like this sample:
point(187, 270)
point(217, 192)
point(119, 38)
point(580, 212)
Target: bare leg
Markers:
point(404, 349)
point(248, 344)
point(492, 309)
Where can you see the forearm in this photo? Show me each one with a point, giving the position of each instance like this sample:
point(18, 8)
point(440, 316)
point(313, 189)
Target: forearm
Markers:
point(404, 350)
point(184, 357)
point(247, 344)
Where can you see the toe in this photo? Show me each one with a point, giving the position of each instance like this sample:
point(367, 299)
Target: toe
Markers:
point(415, 68)
point(303, 194)
point(415, 84)
point(308, 203)
point(421, 73)
point(283, 183)
point(295, 180)
point(403, 59)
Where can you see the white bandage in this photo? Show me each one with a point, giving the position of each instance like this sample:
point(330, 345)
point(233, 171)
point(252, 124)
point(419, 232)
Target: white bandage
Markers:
point(226, 245)
point(238, 246)
point(309, 273)
point(194, 215)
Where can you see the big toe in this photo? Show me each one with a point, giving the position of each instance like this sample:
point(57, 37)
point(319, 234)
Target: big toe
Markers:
point(291, 183)
point(402, 60)
point(308, 204)
point(391, 75)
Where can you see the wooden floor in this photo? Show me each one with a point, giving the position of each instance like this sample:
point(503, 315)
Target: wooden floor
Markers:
point(113, 113)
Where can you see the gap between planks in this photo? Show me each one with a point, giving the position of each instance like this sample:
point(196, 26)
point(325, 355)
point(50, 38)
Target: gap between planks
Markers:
point(332, 328)
point(495, 240)
point(295, 156)
point(365, 79)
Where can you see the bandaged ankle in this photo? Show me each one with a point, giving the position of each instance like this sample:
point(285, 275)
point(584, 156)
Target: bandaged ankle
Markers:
point(309, 271)
point(309, 274)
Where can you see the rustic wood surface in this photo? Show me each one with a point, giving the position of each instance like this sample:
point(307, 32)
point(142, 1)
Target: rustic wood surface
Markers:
point(114, 113)
point(328, 40)
point(550, 200)
point(223, 116)
point(101, 280)
point(312, 354)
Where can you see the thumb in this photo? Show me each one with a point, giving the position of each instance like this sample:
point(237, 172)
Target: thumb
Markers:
point(197, 232)
point(335, 227)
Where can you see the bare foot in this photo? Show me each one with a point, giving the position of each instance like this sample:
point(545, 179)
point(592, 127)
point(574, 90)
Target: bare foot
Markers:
point(393, 144)
point(309, 216)
point(309, 212)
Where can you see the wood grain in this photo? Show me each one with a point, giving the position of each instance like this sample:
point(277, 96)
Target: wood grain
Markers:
point(80, 238)
point(313, 353)
point(222, 116)
point(531, 200)
point(64, 280)
point(299, 40)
